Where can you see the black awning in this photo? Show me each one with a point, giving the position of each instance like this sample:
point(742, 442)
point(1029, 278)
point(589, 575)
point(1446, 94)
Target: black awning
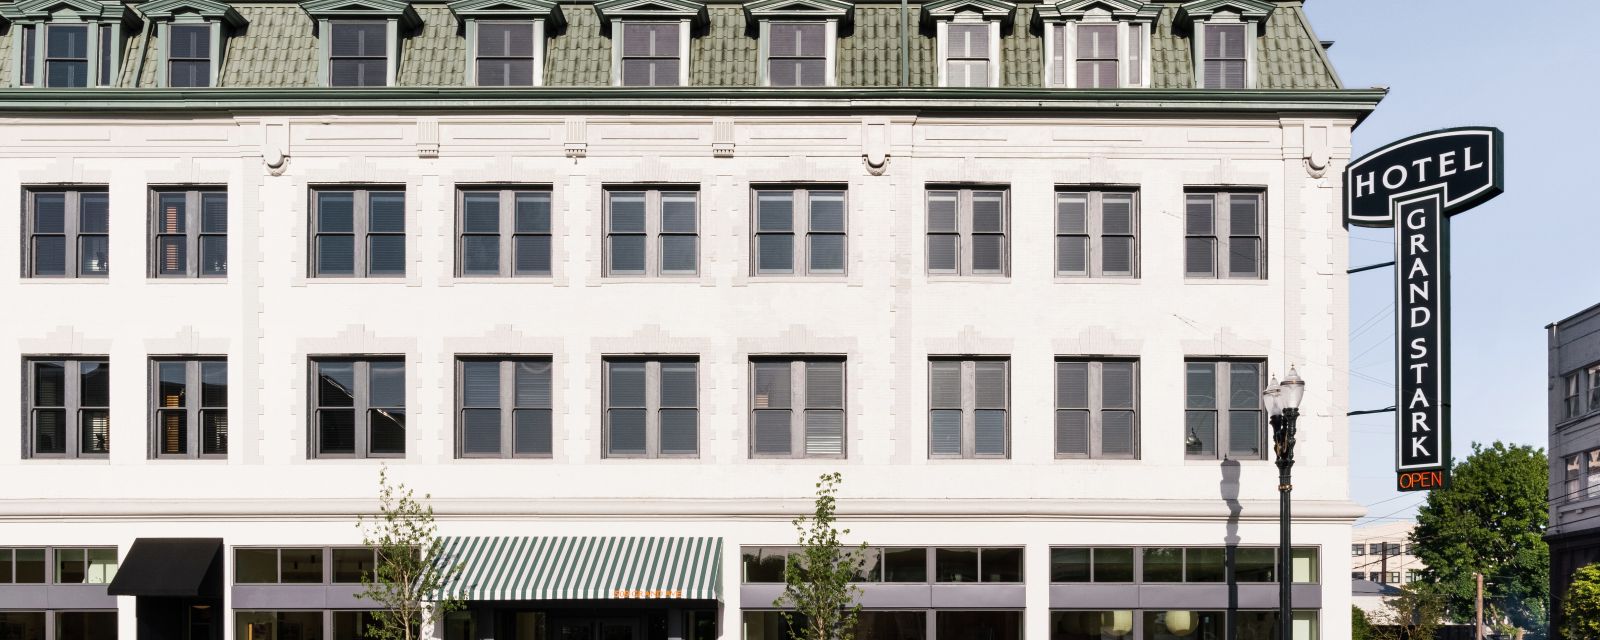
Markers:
point(171, 567)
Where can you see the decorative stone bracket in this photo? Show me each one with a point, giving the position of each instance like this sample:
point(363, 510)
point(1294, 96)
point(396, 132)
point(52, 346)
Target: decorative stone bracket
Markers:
point(1316, 151)
point(275, 148)
point(577, 141)
point(875, 146)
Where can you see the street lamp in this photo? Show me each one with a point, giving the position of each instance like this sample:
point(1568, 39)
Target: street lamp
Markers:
point(1282, 401)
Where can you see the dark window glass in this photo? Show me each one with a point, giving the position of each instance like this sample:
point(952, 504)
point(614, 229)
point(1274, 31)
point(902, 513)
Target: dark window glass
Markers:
point(1113, 564)
point(1090, 625)
point(349, 565)
point(891, 625)
point(30, 565)
point(22, 625)
point(1002, 564)
point(1205, 564)
point(189, 55)
point(86, 625)
point(956, 565)
point(1173, 624)
point(1255, 564)
point(300, 566)
point(1069, 565)
point(905, 565)
point(352, 625)
point(978, 625)
point(765, 564)
point(255, 566)
point(66, 58)
point(1163, 564)
point(69, 566)
point(358, 54)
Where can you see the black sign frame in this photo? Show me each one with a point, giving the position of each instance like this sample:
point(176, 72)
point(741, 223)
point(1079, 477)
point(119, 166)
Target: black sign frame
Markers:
point(1392, 187)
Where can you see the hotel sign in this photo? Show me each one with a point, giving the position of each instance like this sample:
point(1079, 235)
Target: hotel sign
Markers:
point(1414, 186)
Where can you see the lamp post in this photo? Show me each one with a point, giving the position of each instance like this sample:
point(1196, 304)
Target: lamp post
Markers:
point(1282, 402)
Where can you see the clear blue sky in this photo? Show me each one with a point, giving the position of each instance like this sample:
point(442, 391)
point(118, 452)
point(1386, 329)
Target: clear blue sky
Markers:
point(1522, 261)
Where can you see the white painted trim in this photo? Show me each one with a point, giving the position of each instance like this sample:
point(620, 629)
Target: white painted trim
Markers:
point(391, 66)
point(1123, 65)
point(538, 52)
point(764, 31)
point(994, 53)
point(472, 52)
point(217, 48)
point(829, 76)
point(619, 29)
point(1069, 57)
point(942, 43)
point(1250, 55)
point(1050, 63)
point(163, 51)
point(683, 52)
point(94, 54)
point(1198, 55)
point(324, 50)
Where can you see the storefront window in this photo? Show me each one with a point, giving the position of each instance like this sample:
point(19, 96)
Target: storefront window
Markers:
point(905, 565)
point(277, 625)
point(1002, 565)
point(352, 625)
point(1113, 565)
point(1163, 564)
point(255, 566)
point(956, 565)
point(1205, 564)
point(978, 625)
point(1303, 565)
point(892, 625)
point(1256, 564)
point(349, 565)
point(69, 566)
point(1263, 625)
point(22, 625)
point(1184, 625)
point(1070, 565)
point(870, 568)
point(703, 625)
point(765, 564)
point(300, 566)
point(86, 625)
point(30, 566)
point(1090, 625)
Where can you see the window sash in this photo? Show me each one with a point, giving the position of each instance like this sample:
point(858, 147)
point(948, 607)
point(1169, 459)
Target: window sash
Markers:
point(72, 79)
point(1221, 411)
point(508, 406)
point(363, 53)
point(507, 56)
point(360, 234)
point(654, 235)
point(801, 233)
point(200, 53)
point(508, 237)
point(659, 61)
point(361, 408)
point(800, 406)
point(803, 56)
point(194, 410)
point(73, 412)
point(1225, 63)
point(1095, 409)
point(653, 408)
point(1093, 236)
point(965, 237)
point(1222, 242)
point(969, 409)
point(70, 240)
point(196, 239)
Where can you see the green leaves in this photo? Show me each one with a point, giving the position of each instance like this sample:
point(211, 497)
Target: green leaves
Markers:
point(409, 574)
point(1491, 520)
point(1581, 608)
point(820, 597)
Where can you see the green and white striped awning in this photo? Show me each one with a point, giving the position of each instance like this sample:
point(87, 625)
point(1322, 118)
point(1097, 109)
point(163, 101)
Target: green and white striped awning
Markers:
point(582, 568)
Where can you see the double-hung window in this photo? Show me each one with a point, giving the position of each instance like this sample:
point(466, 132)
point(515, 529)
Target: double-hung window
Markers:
point(189, 55)
point(358, 407)
point(1226, 64)
point(66, 54)
point(503, 407)
point(1572, 401)
point(1097, 408)
point(358, 54)
point(67, 233)
point(507, 53)
point(189, 229)
point(652, 232)
point(69, 407)
point(1097, 234)
point(651, 54)
point(1098, 54)
point(797, 408)
point(504, 232)
point(967, 231)
point(797, 54)
point(800, 232)
point(1594, 388)
point(652, 407)
point(358, 232)
point(1223, 416)
point(1224, 235)
point(968, 57)
point(189, 413)
point(968, 400)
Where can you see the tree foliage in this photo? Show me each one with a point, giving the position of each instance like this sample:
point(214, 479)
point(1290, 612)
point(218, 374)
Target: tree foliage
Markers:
point(1360, 628)
point(406, 584)
point(820, 599)
point(1415, 614)
point(1581, 608)
point(1491, 520)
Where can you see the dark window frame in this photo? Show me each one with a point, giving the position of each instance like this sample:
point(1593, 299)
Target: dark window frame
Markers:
point(623, 57)
point(1245, 29)
point(1094, 235)
point(210, 48)
point(508, 405)
point(801, 230)
point(799, 406)
point(92, 41)
point(194, 411)
point(72, 409)
point(1221, 236)
point(965, 232)
point(361, 407)
point(653, 406)
point(194, 232)
point(653, 233)
point(1095, 407)
point(72, 233)
point(533, 56)
point(774, 58)
point(507, 233)
point(969, 406)
point(360, 231)
point(389, 49)
point(1222, 370)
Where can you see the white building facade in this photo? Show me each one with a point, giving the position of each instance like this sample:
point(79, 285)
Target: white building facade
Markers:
point(1028, 325)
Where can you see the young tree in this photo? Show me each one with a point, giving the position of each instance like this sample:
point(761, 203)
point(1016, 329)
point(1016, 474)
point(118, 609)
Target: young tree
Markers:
point(1416, 613)
point(406, 585)
point(1491, 520)
point(1581, 609)
point(1360, 628)
point(819, 599)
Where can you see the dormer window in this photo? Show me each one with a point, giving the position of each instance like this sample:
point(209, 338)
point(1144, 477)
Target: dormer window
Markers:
point(968, 33)
point(798, 40)
point(1224, 35)
point(650, 40)
point(67, 43)
point(360, 39)
point(505, 40)
point(189, 37)
point(1097, 44)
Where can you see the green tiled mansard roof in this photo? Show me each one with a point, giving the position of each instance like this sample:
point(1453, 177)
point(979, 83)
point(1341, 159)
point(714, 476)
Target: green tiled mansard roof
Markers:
point(279, 48)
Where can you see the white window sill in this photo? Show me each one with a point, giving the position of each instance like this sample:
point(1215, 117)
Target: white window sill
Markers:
point(695, 280)
point(1227, 282)
point(983, 279)
point(63, 280)
point(501, 280)
point(798, 279)
point(186, 281)
point(1115, 280)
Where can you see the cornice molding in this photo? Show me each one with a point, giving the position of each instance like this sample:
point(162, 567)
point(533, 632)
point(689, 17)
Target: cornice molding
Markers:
point(86, 10)
point(647, 9)
point(843, 10)
point(340, 9)
point(208, 9)
point(1247, 9)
